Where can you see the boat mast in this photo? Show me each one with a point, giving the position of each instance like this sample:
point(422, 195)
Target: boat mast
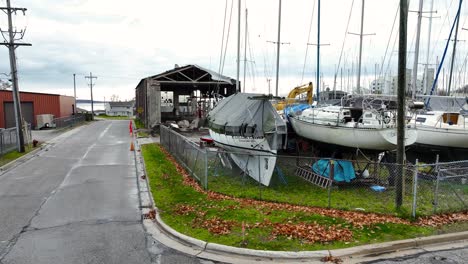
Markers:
point(278, 44)
point(358, 89)
point(238, 44)
point(434, 84)
point(245, 47)
point(361, 36)
point(416, 53)
point(318, 52)
point(453, 53)
point(428, 47)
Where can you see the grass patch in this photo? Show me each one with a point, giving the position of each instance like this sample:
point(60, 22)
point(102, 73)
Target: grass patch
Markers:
point(138, 123)
point(300, 192)
point(13, 155)
point(343, 196)
point(142, 134)
point(114, 117)
point(202, 216)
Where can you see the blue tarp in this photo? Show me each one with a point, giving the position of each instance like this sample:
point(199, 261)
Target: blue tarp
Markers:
point(291, 109)
point(344, 170)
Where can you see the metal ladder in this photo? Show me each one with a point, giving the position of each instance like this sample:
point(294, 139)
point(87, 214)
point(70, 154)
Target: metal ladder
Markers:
point(310, 176)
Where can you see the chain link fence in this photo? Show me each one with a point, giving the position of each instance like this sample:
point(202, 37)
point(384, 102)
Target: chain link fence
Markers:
point(441, 188)
point(9, 139)
point(188, 154)
point(362, 185)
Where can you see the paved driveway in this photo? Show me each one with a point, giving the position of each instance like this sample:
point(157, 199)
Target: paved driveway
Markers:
point(77, 202)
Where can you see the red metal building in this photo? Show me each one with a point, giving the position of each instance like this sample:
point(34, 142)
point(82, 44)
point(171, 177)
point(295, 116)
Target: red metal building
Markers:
point(33, 104)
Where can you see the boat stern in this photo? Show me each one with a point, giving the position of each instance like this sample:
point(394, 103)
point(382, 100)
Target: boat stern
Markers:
point(390, 135)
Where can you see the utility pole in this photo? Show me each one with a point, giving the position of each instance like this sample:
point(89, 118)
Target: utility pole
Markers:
point(401, 101)
point(74, 92)
point(12, 45)
point(91, 77)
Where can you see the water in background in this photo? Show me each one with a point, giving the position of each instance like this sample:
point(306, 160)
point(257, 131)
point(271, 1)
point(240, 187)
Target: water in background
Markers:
point(87, 106)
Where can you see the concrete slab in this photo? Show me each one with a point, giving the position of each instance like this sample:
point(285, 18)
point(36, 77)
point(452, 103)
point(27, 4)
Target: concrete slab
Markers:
point(82, 243)
point(92, 192)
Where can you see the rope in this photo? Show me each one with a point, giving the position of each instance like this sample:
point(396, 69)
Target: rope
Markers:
point(445, 52)
point(227, 38)
point(252, 60)
point(344, 41)
point(222, 37)
point(389, 40)
point(308, 39)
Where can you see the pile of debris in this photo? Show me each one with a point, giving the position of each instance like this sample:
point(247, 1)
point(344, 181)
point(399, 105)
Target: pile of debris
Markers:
point(181, 126)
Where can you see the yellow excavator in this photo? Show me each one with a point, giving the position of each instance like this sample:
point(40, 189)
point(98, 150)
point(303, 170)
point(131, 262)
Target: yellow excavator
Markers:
point(291, 98)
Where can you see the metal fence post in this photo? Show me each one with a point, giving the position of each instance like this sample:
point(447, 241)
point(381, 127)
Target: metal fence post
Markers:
point(1, 142)
point(436, 192)
point(206, 170)
point(415, 188)
point(332, 175)
point(170, 142)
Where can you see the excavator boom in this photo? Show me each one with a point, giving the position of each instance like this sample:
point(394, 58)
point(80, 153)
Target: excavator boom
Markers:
point(296, 91)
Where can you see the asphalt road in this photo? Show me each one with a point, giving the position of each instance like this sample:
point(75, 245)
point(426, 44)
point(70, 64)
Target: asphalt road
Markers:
point(78, 203)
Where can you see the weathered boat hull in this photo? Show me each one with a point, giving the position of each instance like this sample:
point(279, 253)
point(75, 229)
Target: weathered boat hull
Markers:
point(371, 138)
point(252, 155)
point(442, 137)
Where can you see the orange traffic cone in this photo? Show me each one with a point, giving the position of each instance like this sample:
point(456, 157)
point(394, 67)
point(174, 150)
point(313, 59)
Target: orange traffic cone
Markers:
point(132, 146)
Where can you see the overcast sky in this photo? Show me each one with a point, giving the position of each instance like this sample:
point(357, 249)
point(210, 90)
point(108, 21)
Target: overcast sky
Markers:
point(122, 42)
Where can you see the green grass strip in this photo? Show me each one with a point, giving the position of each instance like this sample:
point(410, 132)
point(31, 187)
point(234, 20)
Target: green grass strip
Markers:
point(187, 211)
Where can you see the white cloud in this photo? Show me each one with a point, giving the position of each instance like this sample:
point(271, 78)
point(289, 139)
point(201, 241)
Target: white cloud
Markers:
point(122, 42)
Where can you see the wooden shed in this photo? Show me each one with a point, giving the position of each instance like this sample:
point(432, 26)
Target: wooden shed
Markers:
point(181, 93)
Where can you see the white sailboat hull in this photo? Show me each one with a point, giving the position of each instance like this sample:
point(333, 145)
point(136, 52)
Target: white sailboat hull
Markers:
point(370, 138)
point(252, 155)
point(440, 137)
point(436, 131)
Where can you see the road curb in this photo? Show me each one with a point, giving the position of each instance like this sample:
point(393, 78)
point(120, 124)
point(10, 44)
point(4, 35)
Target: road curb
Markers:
point(399, 245)
point(370, 249)
point(14, 163)
point(364, 250)
point(188, 240)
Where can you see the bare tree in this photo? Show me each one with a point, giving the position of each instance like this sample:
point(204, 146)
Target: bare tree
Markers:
point(114, 98)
